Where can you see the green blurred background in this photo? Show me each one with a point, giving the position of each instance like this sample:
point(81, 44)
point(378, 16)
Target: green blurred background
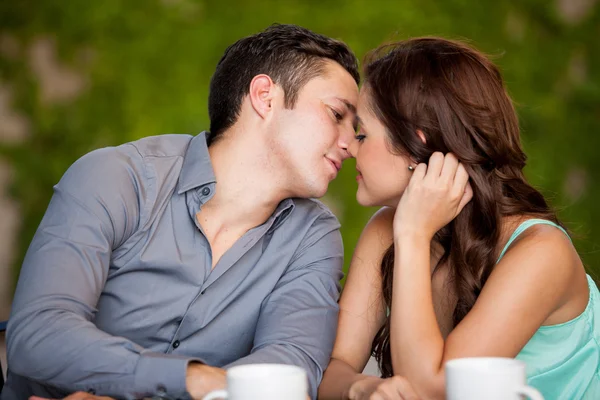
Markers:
point(76, 75)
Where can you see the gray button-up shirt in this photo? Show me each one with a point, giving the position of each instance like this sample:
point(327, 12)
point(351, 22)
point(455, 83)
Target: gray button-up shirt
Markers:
point(116, 294)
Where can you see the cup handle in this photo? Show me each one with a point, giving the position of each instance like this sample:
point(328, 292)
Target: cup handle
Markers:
point(222, 394)
point(530, 392)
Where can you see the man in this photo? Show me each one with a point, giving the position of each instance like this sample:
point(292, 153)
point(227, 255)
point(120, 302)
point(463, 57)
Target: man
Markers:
point(162, 261)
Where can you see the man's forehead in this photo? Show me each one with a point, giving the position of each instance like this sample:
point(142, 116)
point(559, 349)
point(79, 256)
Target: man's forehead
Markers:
point(334, 83)
point(335, 75)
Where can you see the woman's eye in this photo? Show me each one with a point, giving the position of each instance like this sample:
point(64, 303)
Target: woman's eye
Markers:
point(360, 138)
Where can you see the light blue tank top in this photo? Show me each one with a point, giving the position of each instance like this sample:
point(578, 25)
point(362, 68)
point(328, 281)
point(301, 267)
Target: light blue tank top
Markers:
point(563, 361)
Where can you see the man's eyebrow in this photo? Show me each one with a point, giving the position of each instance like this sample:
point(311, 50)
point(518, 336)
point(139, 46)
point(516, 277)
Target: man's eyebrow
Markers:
point(356, 122)
point(348, 105)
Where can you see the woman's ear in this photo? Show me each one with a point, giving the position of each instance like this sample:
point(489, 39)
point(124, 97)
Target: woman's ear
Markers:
point(421, 136)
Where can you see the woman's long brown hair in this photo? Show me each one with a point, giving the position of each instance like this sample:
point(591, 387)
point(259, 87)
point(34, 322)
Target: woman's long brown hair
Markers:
point(456, 97)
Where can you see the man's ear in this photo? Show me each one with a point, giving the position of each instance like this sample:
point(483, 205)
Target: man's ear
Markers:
point(421, 136)
point(262, 90)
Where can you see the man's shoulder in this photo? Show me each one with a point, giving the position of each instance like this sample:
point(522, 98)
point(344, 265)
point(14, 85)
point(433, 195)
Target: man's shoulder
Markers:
point(168, 145)
point(148, 164)
point(315, 232)
point(315, 210)
point(132, 158)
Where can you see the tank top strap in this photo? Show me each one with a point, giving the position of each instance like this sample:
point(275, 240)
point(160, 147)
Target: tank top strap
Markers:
point(523, 227)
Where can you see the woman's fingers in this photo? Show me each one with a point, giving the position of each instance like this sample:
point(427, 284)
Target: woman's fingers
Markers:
point(435, 165)
point(419, 172)
point(395, 388)
point(461, 188)
point(466, 197)
point(461, 178)
point(449, 169)
point(404, 388)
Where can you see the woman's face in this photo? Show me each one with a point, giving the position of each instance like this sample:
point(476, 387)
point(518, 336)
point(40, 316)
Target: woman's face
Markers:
point(382, 175)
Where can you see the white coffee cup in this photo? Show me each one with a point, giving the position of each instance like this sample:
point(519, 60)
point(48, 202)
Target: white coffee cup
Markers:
point(490, 378)
point(264, 382)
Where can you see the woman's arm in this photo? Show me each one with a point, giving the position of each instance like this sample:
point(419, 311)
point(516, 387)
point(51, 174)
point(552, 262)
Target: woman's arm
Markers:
point(362, 309)
point(525, 288)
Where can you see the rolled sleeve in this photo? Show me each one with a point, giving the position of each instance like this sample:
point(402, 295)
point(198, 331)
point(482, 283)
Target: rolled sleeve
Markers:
point(51, 338)
point(298, 320)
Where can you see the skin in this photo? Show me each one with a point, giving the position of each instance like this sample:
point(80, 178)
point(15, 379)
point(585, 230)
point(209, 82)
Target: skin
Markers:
point(539, 281)
point(382, 176)
point(290, 153)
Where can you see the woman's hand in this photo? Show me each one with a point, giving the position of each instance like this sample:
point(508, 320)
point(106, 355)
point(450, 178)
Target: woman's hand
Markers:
point(435, 195)
point(373, 388)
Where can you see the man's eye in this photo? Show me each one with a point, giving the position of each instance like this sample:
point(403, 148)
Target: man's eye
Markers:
point(337, 115)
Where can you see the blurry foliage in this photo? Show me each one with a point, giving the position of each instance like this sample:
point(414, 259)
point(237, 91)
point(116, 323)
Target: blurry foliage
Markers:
point(147, 65)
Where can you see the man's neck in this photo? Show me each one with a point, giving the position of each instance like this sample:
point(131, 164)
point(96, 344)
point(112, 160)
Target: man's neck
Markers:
point(249, 187)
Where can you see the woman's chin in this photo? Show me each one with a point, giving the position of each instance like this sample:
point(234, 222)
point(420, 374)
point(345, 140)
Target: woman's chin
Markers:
point(360, 199)
point(366, 201)
point(369, 201)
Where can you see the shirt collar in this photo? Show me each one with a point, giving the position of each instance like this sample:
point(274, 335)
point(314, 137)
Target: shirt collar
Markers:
point(197, 171)
point(283, 210)
point(197, 168)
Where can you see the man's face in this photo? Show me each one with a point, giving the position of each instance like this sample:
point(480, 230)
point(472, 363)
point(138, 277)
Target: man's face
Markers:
point(312, 138)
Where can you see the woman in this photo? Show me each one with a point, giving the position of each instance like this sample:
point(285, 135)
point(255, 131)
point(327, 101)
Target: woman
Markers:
point(465, 258)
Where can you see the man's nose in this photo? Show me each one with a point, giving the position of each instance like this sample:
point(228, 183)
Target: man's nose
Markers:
point(345, 141)
point(352, 148)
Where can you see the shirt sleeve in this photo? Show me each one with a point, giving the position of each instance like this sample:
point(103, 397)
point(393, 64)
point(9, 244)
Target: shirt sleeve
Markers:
point(51, 338)
point(298, 320)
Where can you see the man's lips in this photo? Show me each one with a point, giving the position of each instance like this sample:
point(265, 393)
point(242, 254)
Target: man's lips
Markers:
point(336, 164)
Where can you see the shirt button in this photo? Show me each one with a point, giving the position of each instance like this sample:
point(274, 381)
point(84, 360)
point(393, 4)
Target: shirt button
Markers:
point(206, 191)
point(176, 344)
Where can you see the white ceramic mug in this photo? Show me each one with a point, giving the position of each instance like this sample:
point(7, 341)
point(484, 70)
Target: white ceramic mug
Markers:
point(490, 378)
point(264, 382)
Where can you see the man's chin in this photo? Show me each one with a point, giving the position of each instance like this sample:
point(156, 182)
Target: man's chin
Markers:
point(317, 194)
point(319, 189)
point(311, 193)
point(311, 189)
